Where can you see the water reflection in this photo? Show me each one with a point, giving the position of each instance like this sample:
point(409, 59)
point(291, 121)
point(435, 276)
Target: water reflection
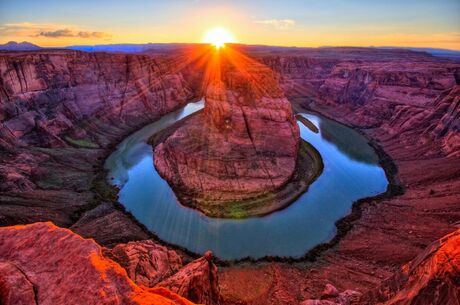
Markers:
point(350, 172)
point(348, 141)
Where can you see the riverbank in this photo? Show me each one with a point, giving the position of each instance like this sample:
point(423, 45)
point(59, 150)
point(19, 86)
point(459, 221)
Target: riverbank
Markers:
point(309, 167)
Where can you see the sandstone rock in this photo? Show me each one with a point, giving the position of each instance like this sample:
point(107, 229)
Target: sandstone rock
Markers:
point(146, 262)
point(446, 120)
point(108, 226)
point(402, 121)
point(15, 287)
point(197, 281)
point(242, 147)
point(150, 264)
point(331, 296)
point(57, 266)
point(60, 114)
point(330, 292)
point(433, 277)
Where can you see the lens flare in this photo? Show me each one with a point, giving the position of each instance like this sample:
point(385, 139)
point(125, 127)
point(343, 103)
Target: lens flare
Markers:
point(218, 37)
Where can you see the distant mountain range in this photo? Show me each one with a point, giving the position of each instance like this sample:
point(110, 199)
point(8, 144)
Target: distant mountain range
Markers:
point(432, 51)
point(128, 47)
point(162, 47)
point(19, 46)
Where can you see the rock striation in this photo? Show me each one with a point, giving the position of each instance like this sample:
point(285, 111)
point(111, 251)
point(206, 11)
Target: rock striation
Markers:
point(61, 113)
point(406, 104)
point(433, 277)
point(233, 159)
point(154, 265)
point(44, 264)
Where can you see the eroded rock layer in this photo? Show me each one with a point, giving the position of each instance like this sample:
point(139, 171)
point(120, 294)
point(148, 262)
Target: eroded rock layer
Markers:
point(406, 102)
point(398, 99)
point(43, 264)
point(61, 113)
point(242, 148)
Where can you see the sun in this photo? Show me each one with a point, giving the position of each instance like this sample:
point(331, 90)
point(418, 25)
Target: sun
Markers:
point(218, 37)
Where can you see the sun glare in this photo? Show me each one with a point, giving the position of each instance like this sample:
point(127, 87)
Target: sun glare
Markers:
point(218, 37)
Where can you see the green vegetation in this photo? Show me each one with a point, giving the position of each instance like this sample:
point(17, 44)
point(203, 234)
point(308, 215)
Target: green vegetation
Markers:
point(81, 143)
point(50, 181)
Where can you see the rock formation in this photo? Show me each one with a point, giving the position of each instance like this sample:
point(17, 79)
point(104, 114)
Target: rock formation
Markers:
point(403, 100)
point(433, 277)
point(197, 281)
point(44, 264)
point(232, 160)
point(61, 113)
point(153, 265)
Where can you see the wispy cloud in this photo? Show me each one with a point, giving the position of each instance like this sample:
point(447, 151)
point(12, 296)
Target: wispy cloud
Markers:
point(27, 29)
point(70, 33)
point(282, 24)
point(56, 33)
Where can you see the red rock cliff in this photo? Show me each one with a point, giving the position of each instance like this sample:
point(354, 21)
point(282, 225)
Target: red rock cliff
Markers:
point(43, 264)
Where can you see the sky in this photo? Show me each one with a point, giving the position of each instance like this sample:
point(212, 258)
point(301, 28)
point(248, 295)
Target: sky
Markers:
point(305, 23)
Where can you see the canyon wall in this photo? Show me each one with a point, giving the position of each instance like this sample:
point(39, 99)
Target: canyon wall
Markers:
point(61, 112)
point(407, 105)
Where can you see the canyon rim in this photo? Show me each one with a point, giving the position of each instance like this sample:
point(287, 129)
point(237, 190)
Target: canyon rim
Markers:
point(245, 163)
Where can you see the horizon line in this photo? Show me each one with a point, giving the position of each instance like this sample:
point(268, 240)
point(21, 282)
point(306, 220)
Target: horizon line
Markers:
point(232, 43)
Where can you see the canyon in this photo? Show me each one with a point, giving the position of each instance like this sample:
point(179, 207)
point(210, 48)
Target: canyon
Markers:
point(238, 158)
point(63, 112)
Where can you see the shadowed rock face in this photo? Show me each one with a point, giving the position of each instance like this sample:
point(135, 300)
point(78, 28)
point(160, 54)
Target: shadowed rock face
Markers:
point(61, 112)
point(243, 146)
point(44, 264)
point(153, 265)
point(414, 123)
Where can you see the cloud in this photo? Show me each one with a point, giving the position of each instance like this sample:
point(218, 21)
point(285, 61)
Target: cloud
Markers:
point(57, 33)
point(282, 24)
point(27, 29)
point(93, 35)
point(70, 33)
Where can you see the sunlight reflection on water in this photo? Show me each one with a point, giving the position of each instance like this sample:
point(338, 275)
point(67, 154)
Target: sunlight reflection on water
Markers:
point(351, 171)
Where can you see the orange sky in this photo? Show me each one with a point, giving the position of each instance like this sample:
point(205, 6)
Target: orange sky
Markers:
point(309, 23)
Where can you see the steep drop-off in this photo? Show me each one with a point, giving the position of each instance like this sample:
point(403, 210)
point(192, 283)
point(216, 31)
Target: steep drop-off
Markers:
point(404, 102)
point(43, 264)
point(61, 113)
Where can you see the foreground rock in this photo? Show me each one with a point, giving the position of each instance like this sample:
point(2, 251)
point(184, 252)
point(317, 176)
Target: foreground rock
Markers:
point(146, 262)
point(433, 277)
point(44, 264)
point(153, 265)
point(197, 281)
point(234, 159)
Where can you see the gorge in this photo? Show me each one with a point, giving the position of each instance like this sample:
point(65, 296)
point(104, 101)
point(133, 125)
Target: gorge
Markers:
point(63, 113)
